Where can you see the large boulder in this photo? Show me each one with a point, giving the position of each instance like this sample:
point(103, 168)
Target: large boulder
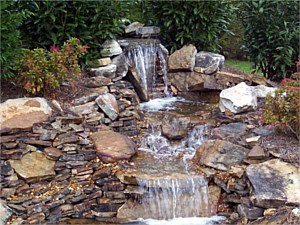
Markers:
point(108, 103)
point(261, 91)
point(208, 63)
point(220, 154)
point(132, 28)
point(112, 146)
point(110, 48)
point(183, 59)
point(193, 81)
point(175, 127)
point(275, 183)
point(24, 112)
point(34, 166)
point(237, 99)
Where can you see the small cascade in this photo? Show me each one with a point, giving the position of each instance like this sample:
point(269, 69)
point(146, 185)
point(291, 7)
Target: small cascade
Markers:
point(171, 197)
point(149, 61)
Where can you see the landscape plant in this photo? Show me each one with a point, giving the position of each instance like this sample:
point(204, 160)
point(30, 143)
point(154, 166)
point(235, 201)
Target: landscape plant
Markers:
point(272, 35)
point(283, 109)
point(200, 23)
point(43, 71)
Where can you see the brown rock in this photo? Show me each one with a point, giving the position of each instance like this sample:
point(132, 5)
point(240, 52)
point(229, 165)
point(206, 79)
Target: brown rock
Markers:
point(33, 166)
point(94, 82)
point(53, 153)
point(24, 112)
point(112, 146)
point(183, 58)
point(257, 152)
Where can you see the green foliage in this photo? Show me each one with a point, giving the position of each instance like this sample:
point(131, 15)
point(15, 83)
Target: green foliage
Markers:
point(44, 71)
point(54, 22)
point(283, 109)
point(272, 32)
point(200, 23)
point(9, 36)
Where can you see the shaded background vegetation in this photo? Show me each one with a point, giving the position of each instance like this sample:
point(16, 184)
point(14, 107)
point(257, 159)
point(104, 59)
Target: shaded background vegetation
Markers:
point(267, 30)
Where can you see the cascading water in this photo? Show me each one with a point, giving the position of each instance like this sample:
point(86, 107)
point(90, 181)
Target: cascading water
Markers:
point(143, 57)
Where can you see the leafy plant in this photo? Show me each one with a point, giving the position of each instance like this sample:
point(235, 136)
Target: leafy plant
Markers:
point(190, 22)
point(9, 36)
point(57, 21)
point(272, 35)
point(44, 71)
point(283, 109)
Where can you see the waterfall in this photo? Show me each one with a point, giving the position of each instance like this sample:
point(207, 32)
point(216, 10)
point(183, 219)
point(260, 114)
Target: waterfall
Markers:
point(171, 197)
point(143, 57)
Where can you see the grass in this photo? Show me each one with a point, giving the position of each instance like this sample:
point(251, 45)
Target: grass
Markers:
point(244, 66)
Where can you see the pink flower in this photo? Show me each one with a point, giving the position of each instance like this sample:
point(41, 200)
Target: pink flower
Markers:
point(54, 49)
point(84, 48)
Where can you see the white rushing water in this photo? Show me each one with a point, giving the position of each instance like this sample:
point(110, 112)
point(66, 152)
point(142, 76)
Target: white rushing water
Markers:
point(159, 104)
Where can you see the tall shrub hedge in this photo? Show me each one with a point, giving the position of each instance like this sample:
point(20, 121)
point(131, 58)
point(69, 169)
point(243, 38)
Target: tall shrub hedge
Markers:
point(272, 35)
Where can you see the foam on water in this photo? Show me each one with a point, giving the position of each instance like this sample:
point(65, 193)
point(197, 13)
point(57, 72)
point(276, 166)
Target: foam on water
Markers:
point(159, 104)
point(186, 221)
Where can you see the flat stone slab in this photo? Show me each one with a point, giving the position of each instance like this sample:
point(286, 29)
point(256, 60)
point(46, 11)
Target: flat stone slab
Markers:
point(112, 146)
point(220, 154)
point(24, 112)
point(34, 166)
point(5, 213)
point(275, 183)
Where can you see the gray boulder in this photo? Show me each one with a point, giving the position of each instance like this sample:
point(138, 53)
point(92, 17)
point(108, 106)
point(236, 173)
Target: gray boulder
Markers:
point(208, 63)
point(108, 71)
point(110, 48)
point(237, 99)
point(133, 27)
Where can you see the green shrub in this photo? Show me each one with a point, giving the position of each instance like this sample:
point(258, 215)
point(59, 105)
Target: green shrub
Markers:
point(53, 22)
point(283, 109)
point(272, 35)
point(200, 23)
point(9, 36)
point(43, 71)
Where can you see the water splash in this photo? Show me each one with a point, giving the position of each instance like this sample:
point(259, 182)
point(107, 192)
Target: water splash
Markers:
point(173, 197)
point(143, 57)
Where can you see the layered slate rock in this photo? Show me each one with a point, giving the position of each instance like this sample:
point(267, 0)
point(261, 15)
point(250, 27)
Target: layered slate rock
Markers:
point(24, 112)
point(208, 62)
point(232, 130)
point(220, 154)
point(108, 103)
point(34, 166)
point(175, 127)
point(94, 82)
point(275, 183)
point(112, 146)
point(148, 31)
point(110, 48)
point(187, 81)
point(5, 213)
point(105, 71)
point(237, 99)
point(183, 59)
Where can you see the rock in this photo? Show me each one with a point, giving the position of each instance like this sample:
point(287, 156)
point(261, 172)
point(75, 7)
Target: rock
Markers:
point(214, 192)
point(275, 183)
point(175, 127)
point(133, 27)
point(261, 91)
point(84, 109)
point(208, 63)
point(108, 71)
point(220, 154)
point(104, 61)
point(5, 168)
point(148, 31)
point(24, 112)
point(122, 67)
point(265, 130)
point(187, 81)
point(228, 131)
point(252, 140)
point(228, 79)
point(90, 95)
point(5, 213)
point(138, 84)
point(108, 104)
point(183, 59)
point(112, 146)
point(53, 153)
point(250, 212)
point(34, 166)
point(94, 82)
point(237, 99)
point(110, 48)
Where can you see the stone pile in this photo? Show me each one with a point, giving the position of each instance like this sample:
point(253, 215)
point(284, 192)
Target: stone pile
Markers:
point(54, 171)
